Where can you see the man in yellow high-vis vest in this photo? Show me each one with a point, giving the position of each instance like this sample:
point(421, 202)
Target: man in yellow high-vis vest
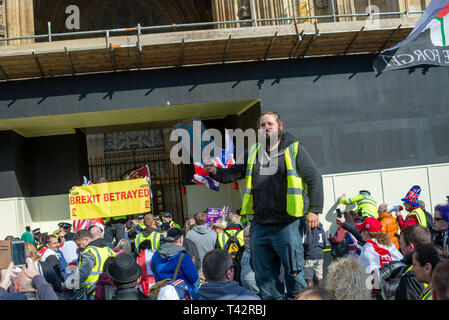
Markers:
point(94, 252)
point(284, 191)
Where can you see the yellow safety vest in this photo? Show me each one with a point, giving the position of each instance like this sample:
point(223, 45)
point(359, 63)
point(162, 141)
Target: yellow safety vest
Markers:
point(100, 254)
point(366, 205)
point(296, 188)
point(428, 295)
point(420, 215)
point(223, 237)
point(154, 237)
point(174, 224)
point(107, 219)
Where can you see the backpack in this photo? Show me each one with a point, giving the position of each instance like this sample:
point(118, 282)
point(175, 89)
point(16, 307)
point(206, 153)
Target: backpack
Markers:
point(339, 243)
point(154, 290)
point(232, 245)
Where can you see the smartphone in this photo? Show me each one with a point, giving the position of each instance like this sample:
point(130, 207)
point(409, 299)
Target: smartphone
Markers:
point(18, 253)
point(339, 213)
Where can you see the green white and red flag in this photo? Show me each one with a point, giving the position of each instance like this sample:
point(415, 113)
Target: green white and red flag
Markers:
point(427, 44)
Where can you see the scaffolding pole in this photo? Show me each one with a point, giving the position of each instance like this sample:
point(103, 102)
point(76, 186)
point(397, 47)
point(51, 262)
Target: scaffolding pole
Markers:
point(69, 60)
point(36, 60)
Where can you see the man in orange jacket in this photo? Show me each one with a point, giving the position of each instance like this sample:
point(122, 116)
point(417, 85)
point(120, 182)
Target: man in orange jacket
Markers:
point(389, 223)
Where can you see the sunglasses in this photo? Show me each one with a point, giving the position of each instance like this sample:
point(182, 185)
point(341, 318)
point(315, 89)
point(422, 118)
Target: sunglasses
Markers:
point(438, 219)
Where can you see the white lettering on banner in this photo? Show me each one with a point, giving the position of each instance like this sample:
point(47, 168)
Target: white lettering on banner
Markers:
point(446, 55)
point(437, 54)
point(431, 56)
point(427, 53)
point(411, 58)
point(395, 60)
point(419, 54)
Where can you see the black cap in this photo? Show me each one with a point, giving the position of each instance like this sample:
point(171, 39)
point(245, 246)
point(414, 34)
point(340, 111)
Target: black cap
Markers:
point(166, 214)
point(124, 269)
point(140, 216)
point(66, 225)
point(37, 231)
point(173, 234)
point(365, 191)
point(61, 224)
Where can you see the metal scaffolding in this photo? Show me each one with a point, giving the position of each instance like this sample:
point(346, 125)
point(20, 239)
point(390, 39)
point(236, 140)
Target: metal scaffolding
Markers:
point(291, 42)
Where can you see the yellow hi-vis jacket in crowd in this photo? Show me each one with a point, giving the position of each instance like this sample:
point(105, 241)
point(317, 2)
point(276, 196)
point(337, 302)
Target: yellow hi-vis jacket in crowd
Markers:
point(224, 236)
point(154, 237)
point(366, 205)
point(420, 215)
point(100, 254)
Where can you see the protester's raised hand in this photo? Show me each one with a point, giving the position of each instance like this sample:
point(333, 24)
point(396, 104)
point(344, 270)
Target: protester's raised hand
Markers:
point(30, 270)
point(341, 220)
point(210, 167)
point(5, 276)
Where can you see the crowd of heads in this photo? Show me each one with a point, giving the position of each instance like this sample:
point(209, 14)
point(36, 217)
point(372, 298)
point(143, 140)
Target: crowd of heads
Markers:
point(346, 278)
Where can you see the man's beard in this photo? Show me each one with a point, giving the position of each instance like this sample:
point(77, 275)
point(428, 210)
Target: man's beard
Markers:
point(272, 138)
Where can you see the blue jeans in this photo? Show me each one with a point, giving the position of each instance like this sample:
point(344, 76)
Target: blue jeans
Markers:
point(271, 246)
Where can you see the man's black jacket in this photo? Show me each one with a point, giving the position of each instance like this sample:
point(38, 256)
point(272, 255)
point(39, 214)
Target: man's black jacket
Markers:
point(270, 190)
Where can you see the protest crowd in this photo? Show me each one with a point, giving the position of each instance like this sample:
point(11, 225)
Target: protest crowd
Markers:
point(273, 247)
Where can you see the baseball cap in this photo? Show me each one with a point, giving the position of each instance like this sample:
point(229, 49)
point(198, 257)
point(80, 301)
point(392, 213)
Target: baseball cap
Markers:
point(370, 224)
point(173, 234)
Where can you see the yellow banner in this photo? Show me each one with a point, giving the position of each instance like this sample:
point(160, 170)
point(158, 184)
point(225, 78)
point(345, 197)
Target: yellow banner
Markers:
point(110, 199)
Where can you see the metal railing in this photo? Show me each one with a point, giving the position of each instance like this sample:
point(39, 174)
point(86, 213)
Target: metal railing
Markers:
point(139, 30)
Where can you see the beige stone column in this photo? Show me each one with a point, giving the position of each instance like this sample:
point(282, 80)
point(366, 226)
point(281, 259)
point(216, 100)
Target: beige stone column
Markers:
point(19, 16)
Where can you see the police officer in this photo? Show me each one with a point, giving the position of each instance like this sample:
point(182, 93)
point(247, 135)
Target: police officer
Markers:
point(168, 218)
point(366, 205)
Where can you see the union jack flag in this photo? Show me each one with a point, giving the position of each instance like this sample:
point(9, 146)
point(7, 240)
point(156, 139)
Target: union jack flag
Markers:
point(85, 224)
point(201, 176)
point(226, 160)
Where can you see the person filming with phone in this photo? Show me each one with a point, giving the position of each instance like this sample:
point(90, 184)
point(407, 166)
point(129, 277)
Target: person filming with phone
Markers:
point(21, 280)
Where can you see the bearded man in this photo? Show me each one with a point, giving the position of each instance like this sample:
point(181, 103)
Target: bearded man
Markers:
point(284, 192)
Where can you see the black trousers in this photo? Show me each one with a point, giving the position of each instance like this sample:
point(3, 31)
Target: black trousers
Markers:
point(114, 230)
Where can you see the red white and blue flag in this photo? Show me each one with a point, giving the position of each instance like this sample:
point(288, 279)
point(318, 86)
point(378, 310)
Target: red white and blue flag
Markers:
point(226, 160)
point(86, 224)
point(427, 44)
point(201, 176)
